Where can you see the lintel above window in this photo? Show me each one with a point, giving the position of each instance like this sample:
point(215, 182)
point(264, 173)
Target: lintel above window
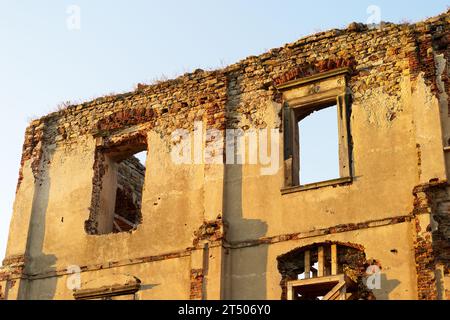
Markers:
point(125, 287)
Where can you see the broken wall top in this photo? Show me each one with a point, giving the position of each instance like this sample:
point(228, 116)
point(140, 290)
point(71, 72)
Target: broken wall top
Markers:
point(379, 55)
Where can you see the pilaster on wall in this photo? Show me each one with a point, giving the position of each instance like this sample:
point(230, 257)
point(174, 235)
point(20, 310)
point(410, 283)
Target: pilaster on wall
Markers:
point(27, 226)
point(22, 213)
point(207, 260)
point(206, 272)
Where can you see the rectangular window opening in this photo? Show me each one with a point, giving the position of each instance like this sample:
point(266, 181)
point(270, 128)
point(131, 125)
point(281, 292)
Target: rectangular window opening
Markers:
point(118, 188)
point(318, 137)
point(130, 185)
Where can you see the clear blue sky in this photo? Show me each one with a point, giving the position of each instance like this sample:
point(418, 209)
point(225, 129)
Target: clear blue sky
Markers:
point(122, 43)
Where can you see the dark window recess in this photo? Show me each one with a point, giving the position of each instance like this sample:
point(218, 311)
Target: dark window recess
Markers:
point(118, 186)
point(130, 183)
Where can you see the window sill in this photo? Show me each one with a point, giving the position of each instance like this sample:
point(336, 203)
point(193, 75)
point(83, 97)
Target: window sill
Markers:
point(317, 185)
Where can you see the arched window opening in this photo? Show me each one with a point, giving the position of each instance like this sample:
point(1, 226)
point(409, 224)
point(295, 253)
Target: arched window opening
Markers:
point(326, 271)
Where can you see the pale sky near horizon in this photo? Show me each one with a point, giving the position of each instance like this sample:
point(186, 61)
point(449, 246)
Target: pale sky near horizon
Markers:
point(122, 43)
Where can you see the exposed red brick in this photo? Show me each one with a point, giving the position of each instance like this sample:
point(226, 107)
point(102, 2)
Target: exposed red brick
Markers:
point(196, 284)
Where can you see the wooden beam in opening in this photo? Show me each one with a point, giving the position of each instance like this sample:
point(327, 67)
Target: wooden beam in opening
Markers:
point(131, 224)
point(343, 293)
point(290, 292)
point(117, 226)
point(307, 264)
point(321, 267)
point(334, 262)
point(336, 292)
point(299, 283)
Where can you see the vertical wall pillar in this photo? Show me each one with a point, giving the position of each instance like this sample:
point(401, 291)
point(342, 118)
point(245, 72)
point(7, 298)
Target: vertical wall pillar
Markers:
point(334, 263)
point(307, 264)
point(321, 256)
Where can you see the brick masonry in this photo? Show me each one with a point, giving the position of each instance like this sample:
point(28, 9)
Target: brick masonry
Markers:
point(432, 245)
point(196, 284)
point(379, 57)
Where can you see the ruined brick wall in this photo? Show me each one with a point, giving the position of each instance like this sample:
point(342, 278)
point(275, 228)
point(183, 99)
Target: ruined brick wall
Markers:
point(379, 57)
point(196, 284)
point(237, 96)
point(432, 39)
point(10, 274)
point(432, 245)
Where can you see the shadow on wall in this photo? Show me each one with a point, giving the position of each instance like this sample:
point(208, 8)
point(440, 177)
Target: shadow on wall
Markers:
point(36, 261)
point(245, 274)
point(149, 286)
point(387, 286)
